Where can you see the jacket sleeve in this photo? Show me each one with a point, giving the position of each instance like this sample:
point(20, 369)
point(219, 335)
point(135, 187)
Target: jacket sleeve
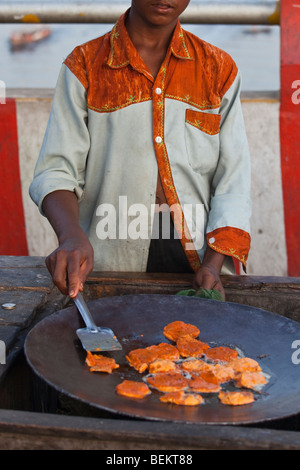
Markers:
point(62, 159)
point(228, 229)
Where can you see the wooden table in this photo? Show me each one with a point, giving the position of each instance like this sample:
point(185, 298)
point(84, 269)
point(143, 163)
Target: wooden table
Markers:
point(32, 416)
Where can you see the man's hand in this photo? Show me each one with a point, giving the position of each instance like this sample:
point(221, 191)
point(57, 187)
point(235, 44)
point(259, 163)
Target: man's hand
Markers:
point(208, 276)
point(71, 263)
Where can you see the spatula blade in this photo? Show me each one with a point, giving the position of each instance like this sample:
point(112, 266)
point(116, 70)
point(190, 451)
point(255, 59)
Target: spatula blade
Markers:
point(100, 340)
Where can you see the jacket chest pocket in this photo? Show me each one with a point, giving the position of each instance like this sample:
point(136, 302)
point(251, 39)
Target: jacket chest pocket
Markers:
point(202, 140)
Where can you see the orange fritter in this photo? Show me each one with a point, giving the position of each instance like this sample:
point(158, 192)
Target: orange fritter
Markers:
point(168, 382)
point(196, 365)
point(182, 398)
point(221, 354)
point(141, 358)
point(174, 330)
point(205, 382)
point(243, 364)
point(250, 379)
point(100, 363)
point(132, 389)
point(236, 398)
point(224, 373)
point(161, 365)
point(190, 347)
point(164, 351)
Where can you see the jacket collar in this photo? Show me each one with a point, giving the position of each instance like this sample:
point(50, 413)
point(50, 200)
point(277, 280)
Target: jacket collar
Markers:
point(123, 52)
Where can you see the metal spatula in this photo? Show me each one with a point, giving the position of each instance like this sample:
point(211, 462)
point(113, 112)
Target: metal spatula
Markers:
point(94, 338)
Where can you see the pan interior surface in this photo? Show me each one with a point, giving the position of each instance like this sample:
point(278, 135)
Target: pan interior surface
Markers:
point(55, 353)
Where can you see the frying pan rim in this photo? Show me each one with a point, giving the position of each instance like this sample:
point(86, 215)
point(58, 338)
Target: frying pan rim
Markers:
point(151, 418)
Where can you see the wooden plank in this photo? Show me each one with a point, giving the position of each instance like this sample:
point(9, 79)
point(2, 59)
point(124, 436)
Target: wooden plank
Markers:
point(32, 431)
point(277, 294)
point(24, 272)
point(23, 314)
point(22, 262)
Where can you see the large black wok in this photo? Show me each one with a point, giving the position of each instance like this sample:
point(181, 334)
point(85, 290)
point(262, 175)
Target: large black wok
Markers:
point(56, 355)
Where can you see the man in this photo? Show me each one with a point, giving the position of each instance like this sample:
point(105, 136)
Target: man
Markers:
point(149, 113)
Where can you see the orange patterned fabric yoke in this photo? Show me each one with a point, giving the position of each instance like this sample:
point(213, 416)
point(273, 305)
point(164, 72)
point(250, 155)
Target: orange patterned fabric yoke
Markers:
point(107, 68)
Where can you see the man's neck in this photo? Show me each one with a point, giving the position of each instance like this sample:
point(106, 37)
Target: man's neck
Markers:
point(150, 41)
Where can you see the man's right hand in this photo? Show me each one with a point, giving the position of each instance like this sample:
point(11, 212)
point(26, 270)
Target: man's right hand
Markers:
point(70, 264)
point(73, 260)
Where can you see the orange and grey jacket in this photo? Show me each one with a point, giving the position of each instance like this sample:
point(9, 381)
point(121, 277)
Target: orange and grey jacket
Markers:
point(113, 127)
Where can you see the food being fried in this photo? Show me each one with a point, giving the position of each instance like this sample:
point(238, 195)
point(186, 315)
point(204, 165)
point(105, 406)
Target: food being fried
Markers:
point(224, 373)
point(161, 365)
point(250, 379)
point(196, 365)
point(100, 363)
point(142, 357)
point(205, 382)
point(133, 389)
point(172, 381)
point(183, 371)
point(174, 330)
point(164, 351)
point(221, 354)
point(182, 398)
point(243, 364)
point(190, 347)
point(236, 398)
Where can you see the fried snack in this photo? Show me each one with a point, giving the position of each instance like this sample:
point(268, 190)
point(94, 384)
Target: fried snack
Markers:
point(243, 364)
point(161, 365)
point(141, 358)
point(190, 347)
point(176, 329)
point(172, 381)
point(133, 389)
point(221, 354)
point(236, 398)
point(205, 382)
point(100, 363)
point(224, 373)
point(250, 379)
point(196, 365)
point(164, 351)
point(182, 398)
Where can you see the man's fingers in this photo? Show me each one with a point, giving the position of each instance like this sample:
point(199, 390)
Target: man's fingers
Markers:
point(85, 269)
point(57, 266)
point(64, 269)
point(73, 274)
point(77, 273)
point(70, 266)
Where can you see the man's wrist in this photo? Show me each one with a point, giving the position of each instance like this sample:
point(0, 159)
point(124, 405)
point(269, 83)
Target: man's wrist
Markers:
point(212, 259)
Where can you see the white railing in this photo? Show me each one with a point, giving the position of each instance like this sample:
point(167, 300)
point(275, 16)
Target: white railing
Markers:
point(198, 13)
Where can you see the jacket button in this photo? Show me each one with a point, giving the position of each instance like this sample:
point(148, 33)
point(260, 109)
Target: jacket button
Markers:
point(158, 91)
point(158, 139)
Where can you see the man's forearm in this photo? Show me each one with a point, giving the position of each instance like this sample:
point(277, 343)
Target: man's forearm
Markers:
point(61, 209)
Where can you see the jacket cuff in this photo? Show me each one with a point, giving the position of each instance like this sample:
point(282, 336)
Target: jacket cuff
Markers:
point(230, 241)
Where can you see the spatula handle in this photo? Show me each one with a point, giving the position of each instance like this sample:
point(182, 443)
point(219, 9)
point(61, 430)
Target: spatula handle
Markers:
point(85, 313)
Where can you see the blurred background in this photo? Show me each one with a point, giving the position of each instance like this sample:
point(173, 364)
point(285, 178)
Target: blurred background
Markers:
point(256, 50)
